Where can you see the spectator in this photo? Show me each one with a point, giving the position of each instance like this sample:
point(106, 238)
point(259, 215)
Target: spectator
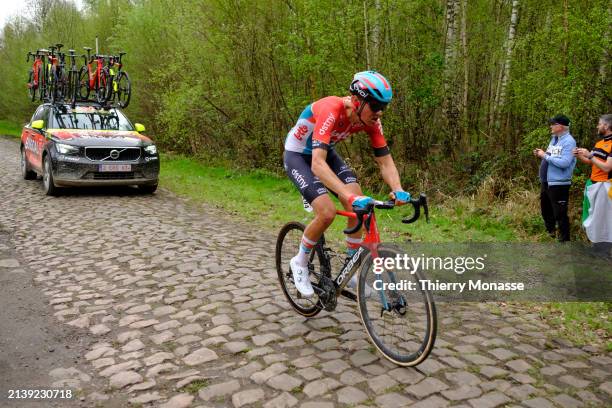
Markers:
point(556, 176)
point(597, 209)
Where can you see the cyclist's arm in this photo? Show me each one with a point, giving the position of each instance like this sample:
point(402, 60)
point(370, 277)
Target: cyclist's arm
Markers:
point(389, 172)
point(383, 157)
point(321, 169)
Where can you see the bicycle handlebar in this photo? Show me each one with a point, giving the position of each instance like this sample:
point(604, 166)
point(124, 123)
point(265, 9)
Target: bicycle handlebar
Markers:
point(417, 204)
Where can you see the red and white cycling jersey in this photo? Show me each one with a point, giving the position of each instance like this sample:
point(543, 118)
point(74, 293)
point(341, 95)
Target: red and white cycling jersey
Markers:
point(324, 123)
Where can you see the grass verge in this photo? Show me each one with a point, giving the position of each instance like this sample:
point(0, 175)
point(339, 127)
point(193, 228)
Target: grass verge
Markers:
point(9, 128)
point(270, 200)
point(581, 323)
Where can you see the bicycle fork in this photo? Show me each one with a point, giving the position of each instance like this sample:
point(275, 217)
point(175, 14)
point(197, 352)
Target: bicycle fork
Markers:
point(399, 305)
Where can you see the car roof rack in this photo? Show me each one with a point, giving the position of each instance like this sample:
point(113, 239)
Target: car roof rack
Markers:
point(93, 104)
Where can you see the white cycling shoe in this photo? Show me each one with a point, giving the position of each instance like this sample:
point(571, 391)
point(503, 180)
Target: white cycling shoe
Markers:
point(300, 278)
point(353, 285)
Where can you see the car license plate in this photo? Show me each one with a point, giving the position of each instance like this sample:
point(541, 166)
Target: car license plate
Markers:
point(115, 167)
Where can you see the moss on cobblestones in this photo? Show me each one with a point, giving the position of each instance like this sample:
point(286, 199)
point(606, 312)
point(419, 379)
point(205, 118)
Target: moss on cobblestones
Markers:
point(537, 375)
point(476, 370)
point(333, 329)
point(370, 402)
point(195, 386)
point(220, 399)
point(396, 388)
point(169, 346)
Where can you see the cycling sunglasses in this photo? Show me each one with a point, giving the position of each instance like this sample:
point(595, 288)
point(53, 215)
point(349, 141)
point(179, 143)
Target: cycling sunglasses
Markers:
point(377, 106)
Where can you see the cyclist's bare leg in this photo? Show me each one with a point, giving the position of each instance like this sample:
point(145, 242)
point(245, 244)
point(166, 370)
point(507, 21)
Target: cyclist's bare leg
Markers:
point(324, 211)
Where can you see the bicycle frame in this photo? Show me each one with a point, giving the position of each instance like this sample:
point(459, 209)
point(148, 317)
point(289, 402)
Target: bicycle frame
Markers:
point(114, 61)
point(94, 75)
point(36, 67)
point(370, 242)
point(390, 303)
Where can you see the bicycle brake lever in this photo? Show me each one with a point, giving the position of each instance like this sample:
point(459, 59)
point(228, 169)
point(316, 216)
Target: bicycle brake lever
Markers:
point(423, 199)
point(417, 204)
point(360, 214)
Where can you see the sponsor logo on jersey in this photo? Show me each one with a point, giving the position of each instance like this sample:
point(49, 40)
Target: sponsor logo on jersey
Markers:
point(327, 124)
point(300, 132)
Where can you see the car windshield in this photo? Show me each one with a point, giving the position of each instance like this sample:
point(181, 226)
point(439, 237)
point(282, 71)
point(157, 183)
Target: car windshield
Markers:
point(89, 118)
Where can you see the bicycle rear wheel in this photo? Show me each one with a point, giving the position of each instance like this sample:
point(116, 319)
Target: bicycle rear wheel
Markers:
point(52, 86)
point(61, 80)
point(287, 245)
point(402, 323)
point(73, 78)
point(124, 89)
point(82, 85)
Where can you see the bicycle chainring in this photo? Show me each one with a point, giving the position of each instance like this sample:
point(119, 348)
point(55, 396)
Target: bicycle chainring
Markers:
point(328, 297)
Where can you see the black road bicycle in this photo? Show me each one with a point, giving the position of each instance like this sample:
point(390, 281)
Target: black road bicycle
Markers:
point(400, 322)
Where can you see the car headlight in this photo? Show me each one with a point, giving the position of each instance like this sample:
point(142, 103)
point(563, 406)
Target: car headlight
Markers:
point(66, 149)
point(151, 149)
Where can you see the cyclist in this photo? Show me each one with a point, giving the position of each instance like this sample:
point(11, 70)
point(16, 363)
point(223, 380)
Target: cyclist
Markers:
point(314, 166)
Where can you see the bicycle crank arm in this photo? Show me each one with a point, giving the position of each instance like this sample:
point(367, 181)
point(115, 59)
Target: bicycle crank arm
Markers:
point(349, 295)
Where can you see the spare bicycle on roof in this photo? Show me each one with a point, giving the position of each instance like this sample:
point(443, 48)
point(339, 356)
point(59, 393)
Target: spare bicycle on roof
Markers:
point(101, 79)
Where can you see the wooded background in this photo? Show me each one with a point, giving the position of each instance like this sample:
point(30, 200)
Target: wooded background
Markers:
point(474, 80)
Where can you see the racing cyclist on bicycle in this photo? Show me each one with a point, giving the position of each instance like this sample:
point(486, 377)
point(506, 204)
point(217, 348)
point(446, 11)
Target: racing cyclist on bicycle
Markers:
point(314, 166)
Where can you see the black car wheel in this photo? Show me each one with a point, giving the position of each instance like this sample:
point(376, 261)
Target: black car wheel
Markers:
point(26, 173)
point(48, 184)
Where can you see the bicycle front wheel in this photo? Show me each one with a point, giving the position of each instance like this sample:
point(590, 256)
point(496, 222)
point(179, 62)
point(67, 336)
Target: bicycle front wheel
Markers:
point(401, 323)
point(287, 246)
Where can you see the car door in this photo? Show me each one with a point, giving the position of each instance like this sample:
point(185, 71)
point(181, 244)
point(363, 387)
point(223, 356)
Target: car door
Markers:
point(31, 141)
point(38, 139)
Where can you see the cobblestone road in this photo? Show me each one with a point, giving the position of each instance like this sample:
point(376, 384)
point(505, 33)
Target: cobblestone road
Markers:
point(184, 309)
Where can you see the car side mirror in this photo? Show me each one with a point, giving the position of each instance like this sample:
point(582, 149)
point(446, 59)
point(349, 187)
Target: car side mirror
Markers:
point(139, 127)
point(38, 124)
